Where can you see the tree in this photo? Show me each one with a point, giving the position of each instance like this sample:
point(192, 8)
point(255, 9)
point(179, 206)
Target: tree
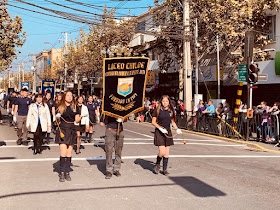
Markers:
point(11, 36)
point(85, 54)
point(229, 19)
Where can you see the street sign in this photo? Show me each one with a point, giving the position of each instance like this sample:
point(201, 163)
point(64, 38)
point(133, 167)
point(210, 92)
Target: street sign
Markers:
point(262, 77)
point(242, 73)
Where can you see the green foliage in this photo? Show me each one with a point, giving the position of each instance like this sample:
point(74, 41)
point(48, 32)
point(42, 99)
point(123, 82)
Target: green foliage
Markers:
point(85, 54)
point(229, 19)
point(11, 36)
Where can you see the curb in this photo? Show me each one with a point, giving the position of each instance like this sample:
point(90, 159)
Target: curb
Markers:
point(227, 139)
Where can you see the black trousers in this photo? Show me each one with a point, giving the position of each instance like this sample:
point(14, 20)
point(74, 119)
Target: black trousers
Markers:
point(38, 138)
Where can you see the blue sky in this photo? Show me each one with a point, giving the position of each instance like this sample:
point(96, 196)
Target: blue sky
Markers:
point(41, 28)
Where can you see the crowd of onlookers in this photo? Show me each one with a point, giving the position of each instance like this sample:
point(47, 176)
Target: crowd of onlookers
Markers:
point(264, 125)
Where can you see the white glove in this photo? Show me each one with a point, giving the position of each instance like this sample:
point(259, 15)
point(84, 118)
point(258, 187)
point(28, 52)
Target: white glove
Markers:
point(58, 115)
point(83, 115)
point(163, 130)
point(12, 112)
point(8, 111)
point(178, 131)
point(119, 120)
point(15, 119)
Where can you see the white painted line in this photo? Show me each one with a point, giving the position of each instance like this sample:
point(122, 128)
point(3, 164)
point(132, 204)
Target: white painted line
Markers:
point(135, 139)
point(127, 143)
point(139, 133)
point(139, 157)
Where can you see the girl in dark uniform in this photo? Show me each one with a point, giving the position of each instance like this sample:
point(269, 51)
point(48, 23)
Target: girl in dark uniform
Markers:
point(84, 124)
point(67, 135)
point(163, 117)
point(92, 109)
point(50, 103)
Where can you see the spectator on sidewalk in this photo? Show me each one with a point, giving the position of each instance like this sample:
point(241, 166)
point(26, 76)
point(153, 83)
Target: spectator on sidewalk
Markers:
point(219, 112)
point(263, 110)
point(227, 115)
point(210, 109)
point(274, 122)
point(20, 115)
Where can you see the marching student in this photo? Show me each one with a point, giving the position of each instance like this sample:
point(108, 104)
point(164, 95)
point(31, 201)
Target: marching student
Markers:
point(51, 105)
point(163, 118)
point(83, 126)
point(11, 106)
point(93, 113)
point(20, 114)
point(66, 136)
point(114, 138)
point(39, 122)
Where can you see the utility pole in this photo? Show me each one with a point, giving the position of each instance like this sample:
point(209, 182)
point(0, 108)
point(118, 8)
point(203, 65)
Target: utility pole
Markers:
point(19, 77)
point(65, 40)
point(196, 57)
point(34, 70)
point(218, 68)
point(22, 64)
point(9, 76)
point(187, 58)
point(249, 47)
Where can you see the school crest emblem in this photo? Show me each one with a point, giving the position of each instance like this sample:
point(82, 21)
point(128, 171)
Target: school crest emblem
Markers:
point(125, 86)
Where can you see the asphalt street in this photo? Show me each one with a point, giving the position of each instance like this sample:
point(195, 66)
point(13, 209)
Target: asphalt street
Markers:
point(205, 173)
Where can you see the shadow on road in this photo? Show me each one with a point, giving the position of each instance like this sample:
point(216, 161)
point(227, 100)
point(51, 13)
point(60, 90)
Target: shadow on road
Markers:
point(145, 164)
point(3, 143)
point(191, 184)
point(7, 158)
point(56, 167)
point(101, 165)
point(197, 187)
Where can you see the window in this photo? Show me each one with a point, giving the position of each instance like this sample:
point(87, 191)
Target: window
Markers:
point(141, 26)
point(272, 27)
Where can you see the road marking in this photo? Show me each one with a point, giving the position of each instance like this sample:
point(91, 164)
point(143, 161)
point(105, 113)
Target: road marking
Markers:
point(139, 133)
point(138, 157)
point(127, 143)
point(134, 139)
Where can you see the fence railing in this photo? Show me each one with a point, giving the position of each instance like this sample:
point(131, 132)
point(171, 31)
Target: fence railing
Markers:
point(262, 127)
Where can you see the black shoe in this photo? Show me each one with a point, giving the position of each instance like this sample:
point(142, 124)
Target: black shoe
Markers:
point(165, 173)
point(67, 177)
point(19, 142)
point(117, 173)
point(85, 141)
point(78, 152)
point(25, 143)
point(89, 141)
point(62, 177)
point(156, 169)
point(108, 175)
point(34, 152)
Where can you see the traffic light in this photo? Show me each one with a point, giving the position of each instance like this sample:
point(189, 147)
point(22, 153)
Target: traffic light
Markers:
point(253, 72)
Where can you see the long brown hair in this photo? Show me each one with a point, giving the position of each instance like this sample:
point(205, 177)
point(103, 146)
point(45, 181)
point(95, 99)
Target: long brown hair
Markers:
point(159, 107)
point(62, 105)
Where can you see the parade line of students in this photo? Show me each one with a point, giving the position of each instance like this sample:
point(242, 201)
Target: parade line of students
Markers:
point(69, 116)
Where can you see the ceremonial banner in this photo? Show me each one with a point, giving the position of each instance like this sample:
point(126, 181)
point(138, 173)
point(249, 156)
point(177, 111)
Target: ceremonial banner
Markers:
point(25, 85)
point(48, 86)
point(124, 83)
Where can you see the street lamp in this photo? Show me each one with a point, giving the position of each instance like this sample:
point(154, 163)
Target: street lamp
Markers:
point(50, 44)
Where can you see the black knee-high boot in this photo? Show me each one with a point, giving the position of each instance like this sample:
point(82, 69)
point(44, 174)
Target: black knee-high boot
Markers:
point(157, 167)
point(62, 164)
point(158, 160)
point(48, 138)
point(165, 163)
point(90, 137)
point(68, 168)
point(86, 137)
